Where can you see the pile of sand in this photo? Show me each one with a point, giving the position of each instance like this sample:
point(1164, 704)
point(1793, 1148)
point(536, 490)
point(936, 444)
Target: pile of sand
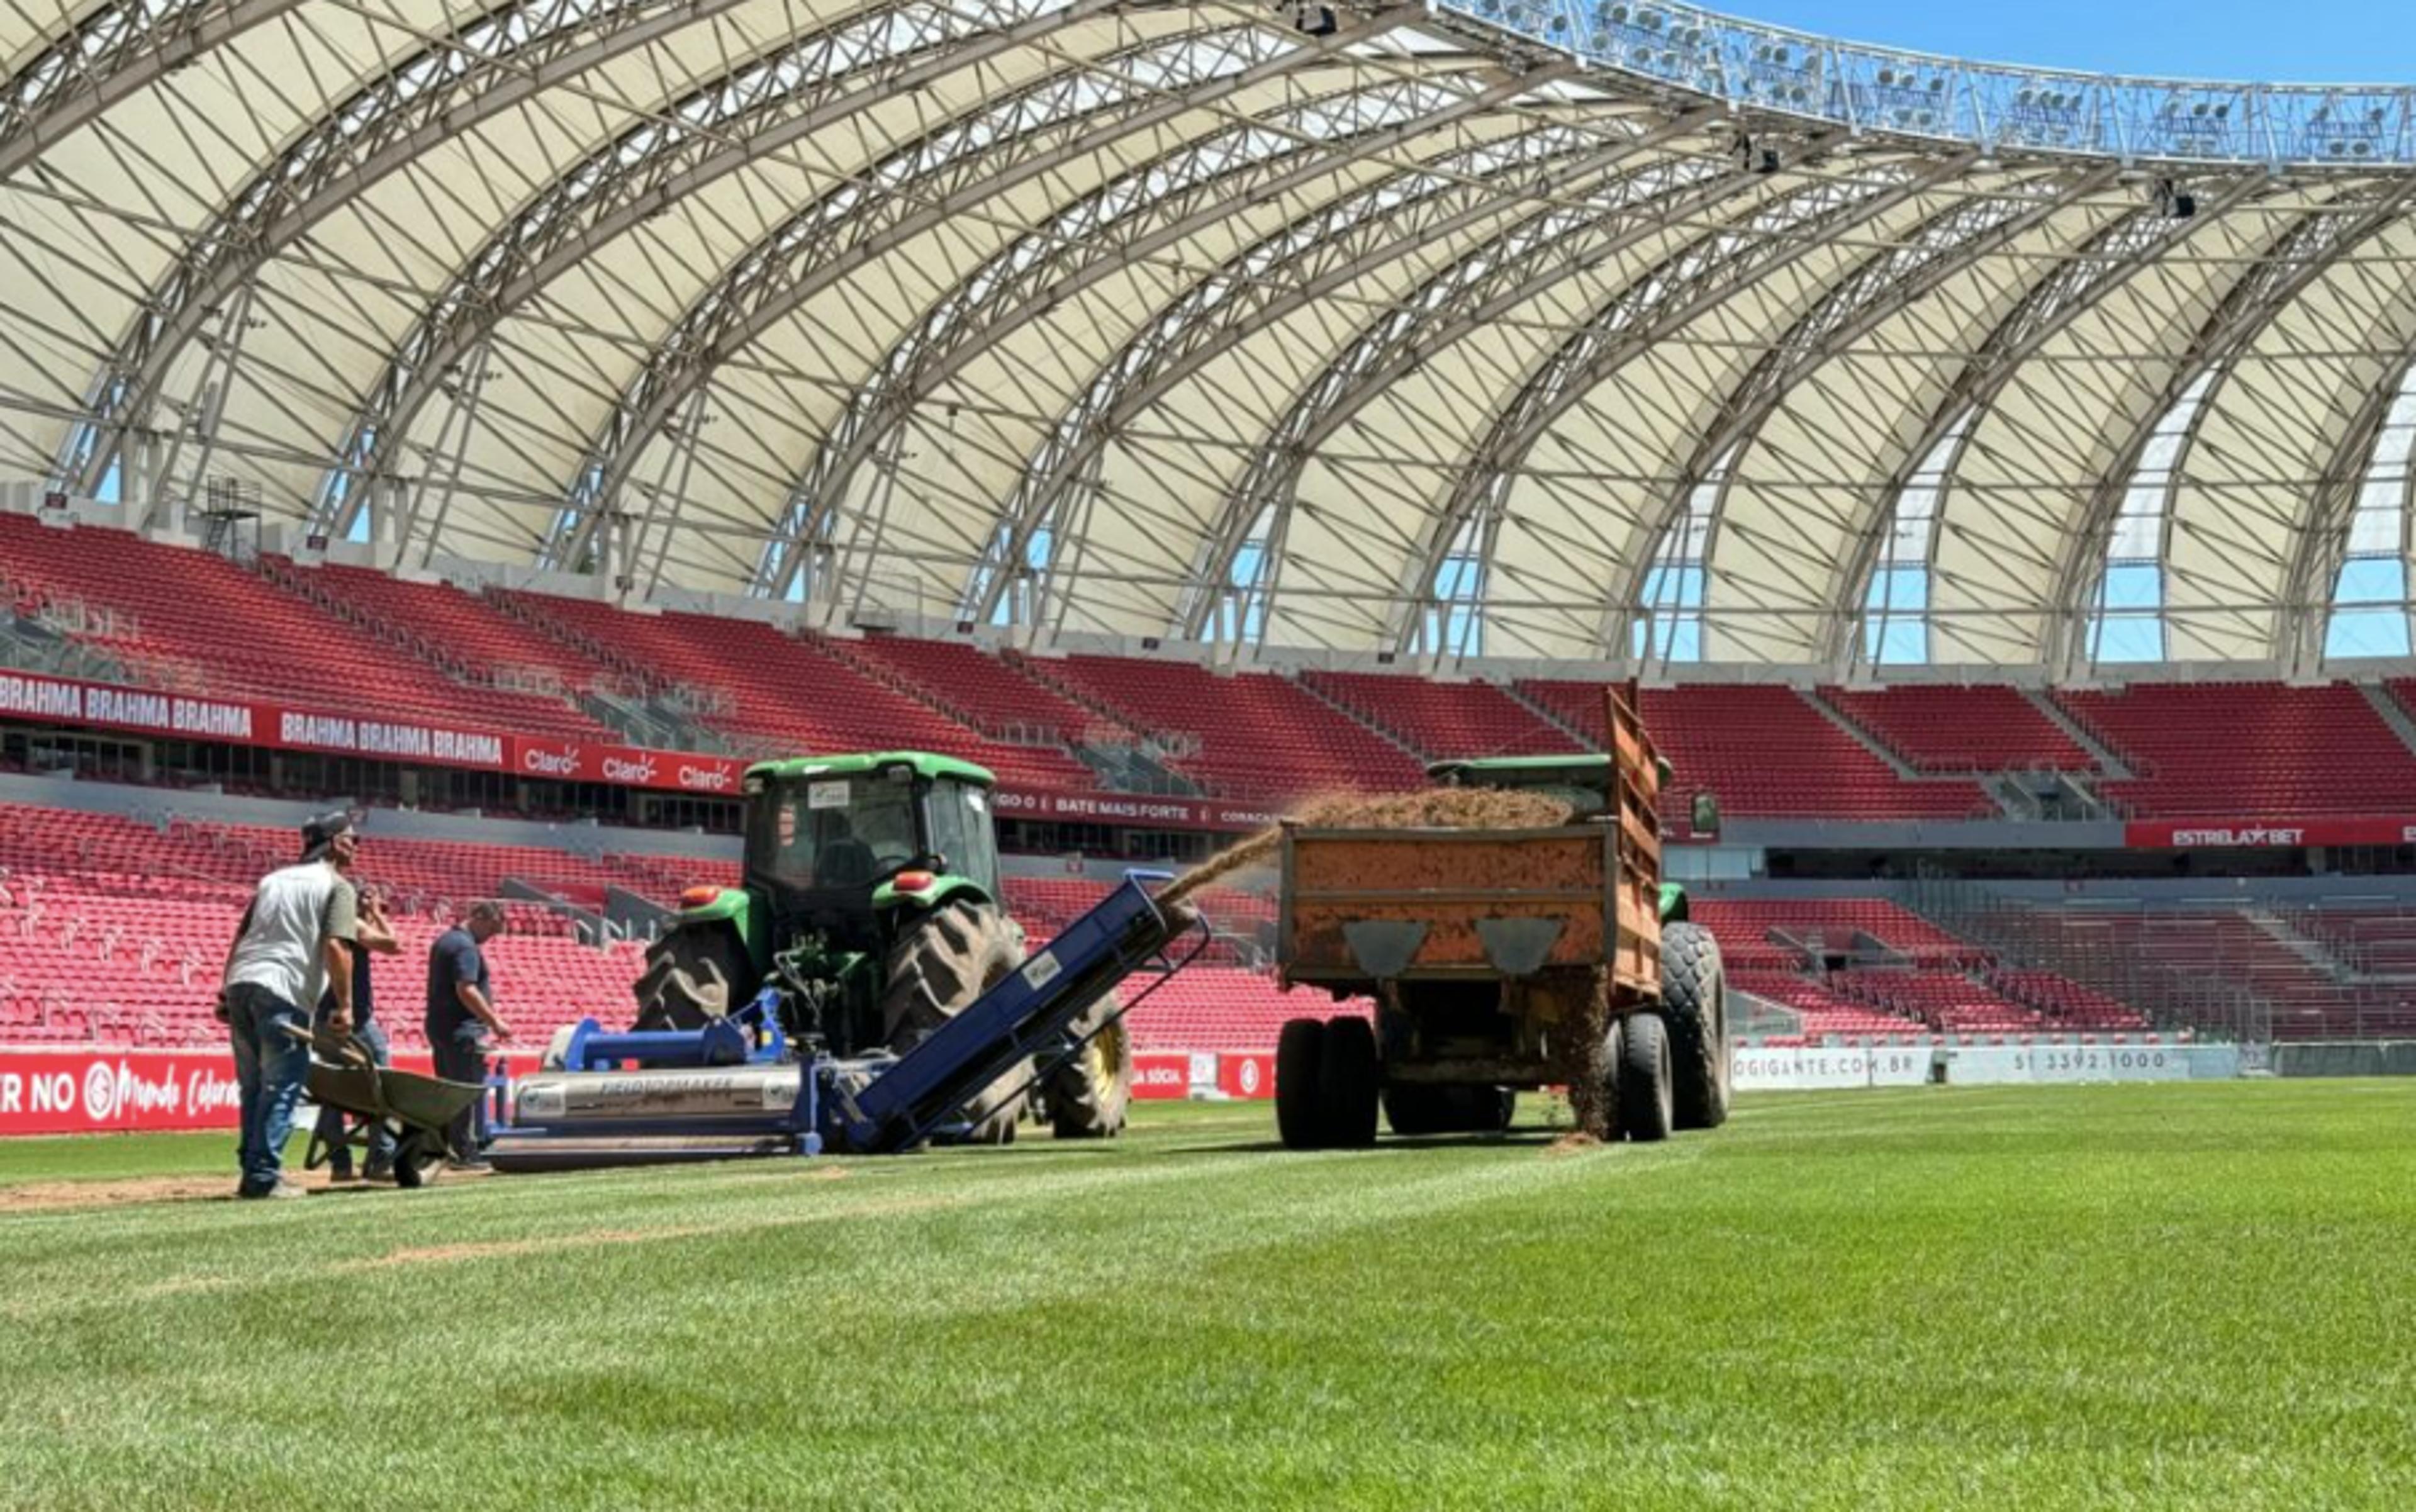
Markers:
point(1433, 809)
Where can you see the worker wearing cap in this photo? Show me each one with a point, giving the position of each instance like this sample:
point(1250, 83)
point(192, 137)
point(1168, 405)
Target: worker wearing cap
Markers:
point(461, 1017)
point(295, 941)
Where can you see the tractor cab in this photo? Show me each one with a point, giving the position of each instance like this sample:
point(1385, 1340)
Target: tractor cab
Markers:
point(846, 857)
point(833, 844)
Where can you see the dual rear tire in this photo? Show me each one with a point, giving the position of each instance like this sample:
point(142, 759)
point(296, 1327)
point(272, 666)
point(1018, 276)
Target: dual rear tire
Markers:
point(1327, 1084)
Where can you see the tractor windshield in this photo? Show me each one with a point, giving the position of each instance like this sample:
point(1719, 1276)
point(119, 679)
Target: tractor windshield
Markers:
point(834, 832)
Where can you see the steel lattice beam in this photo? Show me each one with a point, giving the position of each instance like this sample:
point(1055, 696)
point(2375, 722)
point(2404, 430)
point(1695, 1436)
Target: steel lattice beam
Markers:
point(2299, 257)
point(1887, 284)
point(1490, 279)
point(494, 64)
point(1282, 273)
point(114, 52)
point(1001, 144)
point(2072, 287)
point(824, 79)
point(1145, 211)
point(2322, 544)
point(1669, 296)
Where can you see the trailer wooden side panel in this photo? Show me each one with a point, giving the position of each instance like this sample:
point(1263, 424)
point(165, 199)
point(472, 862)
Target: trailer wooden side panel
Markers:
point(1374, 905)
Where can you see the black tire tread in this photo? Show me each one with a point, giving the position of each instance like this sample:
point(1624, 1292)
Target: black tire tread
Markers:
point(936, 971)
point(1694, 1005)
point(1645, 1101)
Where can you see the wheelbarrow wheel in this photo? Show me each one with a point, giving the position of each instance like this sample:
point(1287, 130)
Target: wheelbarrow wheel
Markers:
point(418, 1159)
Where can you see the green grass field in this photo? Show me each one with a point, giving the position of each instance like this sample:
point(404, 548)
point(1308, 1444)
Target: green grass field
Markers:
point(2158, 1296)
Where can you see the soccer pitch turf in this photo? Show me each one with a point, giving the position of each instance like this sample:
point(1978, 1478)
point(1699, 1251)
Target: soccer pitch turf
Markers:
point(2198, 1295)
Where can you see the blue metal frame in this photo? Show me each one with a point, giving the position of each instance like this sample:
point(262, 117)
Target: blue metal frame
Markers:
point(881, 1103)
point(1992, 106)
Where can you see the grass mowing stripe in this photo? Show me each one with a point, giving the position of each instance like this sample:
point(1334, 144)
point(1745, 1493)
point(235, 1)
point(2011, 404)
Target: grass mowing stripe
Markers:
point(2144, 1297)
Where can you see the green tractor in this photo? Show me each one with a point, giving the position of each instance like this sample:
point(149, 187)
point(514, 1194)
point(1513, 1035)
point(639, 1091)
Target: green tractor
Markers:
point(872, 903)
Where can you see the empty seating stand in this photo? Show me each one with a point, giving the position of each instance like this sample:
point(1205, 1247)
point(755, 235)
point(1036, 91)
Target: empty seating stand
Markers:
point(189, 621)
point(775, 693)
point(1449, 719)
point(1248, 736)
point(1765, 753)
point(2249, 752)
point(1978, 730)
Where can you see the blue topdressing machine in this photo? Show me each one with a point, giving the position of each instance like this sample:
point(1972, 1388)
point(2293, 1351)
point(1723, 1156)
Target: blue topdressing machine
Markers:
point(738, 1087)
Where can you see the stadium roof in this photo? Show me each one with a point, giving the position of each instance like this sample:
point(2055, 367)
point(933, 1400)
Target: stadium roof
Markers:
point(1501, 327)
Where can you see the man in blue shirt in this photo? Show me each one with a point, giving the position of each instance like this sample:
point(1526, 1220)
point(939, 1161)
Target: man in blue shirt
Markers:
point(461, 1021)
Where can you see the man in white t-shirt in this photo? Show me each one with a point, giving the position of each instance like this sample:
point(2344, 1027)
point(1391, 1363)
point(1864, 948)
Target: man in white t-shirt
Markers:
point(295, 941)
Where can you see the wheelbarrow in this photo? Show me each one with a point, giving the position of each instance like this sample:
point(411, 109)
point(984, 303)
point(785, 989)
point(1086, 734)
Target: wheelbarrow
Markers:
point(419, 1111)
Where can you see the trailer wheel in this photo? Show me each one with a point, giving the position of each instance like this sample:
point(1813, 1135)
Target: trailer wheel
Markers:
point(691, 977)
point(1488, 1110)
point(1348, 1083)
point(960, 952)
point(1695, 1002)
point(418, 1159)
point(1416, 1107)
point(1088, 1096)
point(1300, 1059)
point(1645, 1109)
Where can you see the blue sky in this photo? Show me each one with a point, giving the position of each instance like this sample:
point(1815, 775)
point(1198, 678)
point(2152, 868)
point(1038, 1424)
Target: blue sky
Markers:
point(2308, 41)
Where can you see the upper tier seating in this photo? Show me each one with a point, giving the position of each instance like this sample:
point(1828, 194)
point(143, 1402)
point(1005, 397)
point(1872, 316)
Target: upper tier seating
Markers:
point(2249, 751)
point(457, 628)
point(189, 621)
point(1983, 730)
point(1257, 736)
point(780, 694)
point(987, 691)
point(1448, 719)
point(1766, 753)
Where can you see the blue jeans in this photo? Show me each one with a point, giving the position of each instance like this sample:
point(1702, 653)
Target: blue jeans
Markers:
point(331, 1121)
point(269, 1069)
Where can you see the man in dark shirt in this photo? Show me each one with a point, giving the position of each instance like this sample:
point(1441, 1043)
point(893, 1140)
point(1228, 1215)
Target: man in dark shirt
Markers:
point(375, 933)
point(461, 1021)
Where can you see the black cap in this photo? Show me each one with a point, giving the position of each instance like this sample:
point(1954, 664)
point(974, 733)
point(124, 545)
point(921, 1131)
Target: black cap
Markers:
point(320, 833)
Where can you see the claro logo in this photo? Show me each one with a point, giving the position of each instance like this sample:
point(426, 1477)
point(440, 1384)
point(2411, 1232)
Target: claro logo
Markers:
point(622, 769)
point(705, 778)
point(545, 762)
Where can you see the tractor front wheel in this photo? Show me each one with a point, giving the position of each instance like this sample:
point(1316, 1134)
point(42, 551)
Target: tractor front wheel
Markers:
point(693, 976)
point(936, 971)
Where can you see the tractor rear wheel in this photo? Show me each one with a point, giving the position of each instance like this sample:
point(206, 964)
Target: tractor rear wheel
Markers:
point(1695, 1001)
point(960, 951)
point(690, 978)
point(1645, 1110)
point(1348, 1081)
point(1300, 1095)
point(1088, 1094)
